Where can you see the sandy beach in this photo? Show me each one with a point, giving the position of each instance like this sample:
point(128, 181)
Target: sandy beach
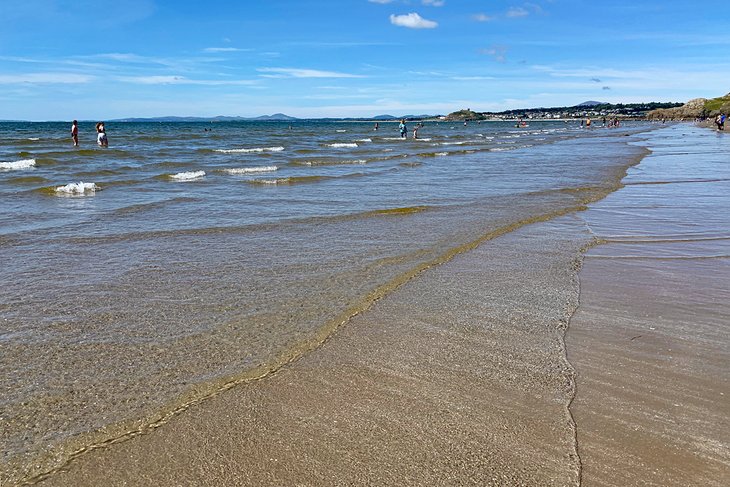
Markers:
point(506, 365)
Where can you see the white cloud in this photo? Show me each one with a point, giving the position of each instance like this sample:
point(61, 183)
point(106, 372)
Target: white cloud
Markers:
point(517, 12)
point(433, 3)
point(45, 78)
point(381, 1)
point(482, 17)
point(412, 21)
point(496, 52)
point(304, 73)
point(180, 80)
point(224, 49)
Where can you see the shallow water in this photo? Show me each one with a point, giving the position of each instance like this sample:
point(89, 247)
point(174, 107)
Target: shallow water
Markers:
point(199, 258)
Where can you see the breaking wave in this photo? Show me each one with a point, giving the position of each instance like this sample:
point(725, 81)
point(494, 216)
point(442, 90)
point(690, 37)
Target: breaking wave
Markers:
point(253, 149)
point(22, 164)
point(249, 170)
point(187, 176)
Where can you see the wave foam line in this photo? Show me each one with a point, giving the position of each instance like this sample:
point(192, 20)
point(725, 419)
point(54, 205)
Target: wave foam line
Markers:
point(341, 145)
point(22, 164)
point(187, 176)
point(250, 170)
point(253, 149)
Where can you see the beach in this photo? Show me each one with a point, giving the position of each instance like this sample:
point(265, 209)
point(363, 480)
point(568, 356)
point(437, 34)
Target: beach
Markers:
point(435, 330)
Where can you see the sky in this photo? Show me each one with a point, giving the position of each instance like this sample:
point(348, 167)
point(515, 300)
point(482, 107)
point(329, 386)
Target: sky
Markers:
point(101, 59)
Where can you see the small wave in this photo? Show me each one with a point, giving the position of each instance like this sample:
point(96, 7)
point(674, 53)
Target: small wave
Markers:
point(187, 176)
point(394, 138)
point(441, 153)
point(328, 163)
point(77, 188)
point(14, 165)
point(365, 140)
point(341, 130)
point(427, 139)
point(410, 164)
point(249, 170)
point(340, 145)
point(290, 180)
point(253, 149)
point(398, 211)
point(27, 180)
point(34, 138)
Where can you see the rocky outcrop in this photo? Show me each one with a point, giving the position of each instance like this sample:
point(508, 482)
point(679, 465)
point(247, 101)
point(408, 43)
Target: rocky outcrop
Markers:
point(694, 109)
point(689, 111)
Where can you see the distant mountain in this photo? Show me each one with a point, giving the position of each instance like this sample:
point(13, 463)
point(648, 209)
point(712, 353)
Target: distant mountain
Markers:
point(591, 103)
point(220, 118)
point(276, 116)
point(409, 117)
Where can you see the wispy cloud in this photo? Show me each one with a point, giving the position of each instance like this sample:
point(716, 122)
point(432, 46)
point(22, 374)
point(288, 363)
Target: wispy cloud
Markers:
point(434, 3)
point(498, 53)
point(225, 49)
point(182, 80)
point(305, 73)
point(381, 1)
point(482, 17)
point(473, 78)
point(517, 12)
point(412, 21)
point(45, 78)
point(596, 80)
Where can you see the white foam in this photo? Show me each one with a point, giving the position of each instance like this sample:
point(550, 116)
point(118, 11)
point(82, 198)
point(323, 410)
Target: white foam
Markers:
point(394, 138)
point(186, 176)
point(340, 145)
point(427, 139)
point(341, 130)
point(34, 138)
point(253, 149)
point(22, 164)
point(442, 154)
point(77, 188)
point(249, 170)
point(365, 140)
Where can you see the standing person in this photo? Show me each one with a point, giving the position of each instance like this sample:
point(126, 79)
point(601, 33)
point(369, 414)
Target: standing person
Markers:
point(415, 132)
point(376, 126)
point(588, 123)
point(75, 133)
point(101, 138)
point(403, 129)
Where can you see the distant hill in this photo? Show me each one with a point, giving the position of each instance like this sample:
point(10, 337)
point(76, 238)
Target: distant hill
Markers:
point(220, 118)
point(591, 103)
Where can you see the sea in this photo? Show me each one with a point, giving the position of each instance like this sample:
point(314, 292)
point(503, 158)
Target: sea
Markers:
point(139, 279)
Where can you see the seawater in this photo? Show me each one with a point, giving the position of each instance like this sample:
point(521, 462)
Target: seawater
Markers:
point(185, 258)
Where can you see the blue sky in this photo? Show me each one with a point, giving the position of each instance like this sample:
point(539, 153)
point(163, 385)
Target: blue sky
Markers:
point(65, 59)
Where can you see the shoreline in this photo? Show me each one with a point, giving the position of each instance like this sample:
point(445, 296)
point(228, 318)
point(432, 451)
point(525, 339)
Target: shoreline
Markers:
point(408, 324)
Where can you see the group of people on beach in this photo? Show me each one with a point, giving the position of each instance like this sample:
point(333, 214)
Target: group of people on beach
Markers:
point(720, 121)
point(101, 137)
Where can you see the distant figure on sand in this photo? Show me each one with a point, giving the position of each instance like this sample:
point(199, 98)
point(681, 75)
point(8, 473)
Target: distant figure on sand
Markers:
point(75, 133)
point(101, 138)
point(403, 129)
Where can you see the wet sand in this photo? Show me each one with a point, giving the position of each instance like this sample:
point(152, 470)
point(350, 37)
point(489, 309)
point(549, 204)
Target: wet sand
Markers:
point(651, 339)
point(460, 377)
